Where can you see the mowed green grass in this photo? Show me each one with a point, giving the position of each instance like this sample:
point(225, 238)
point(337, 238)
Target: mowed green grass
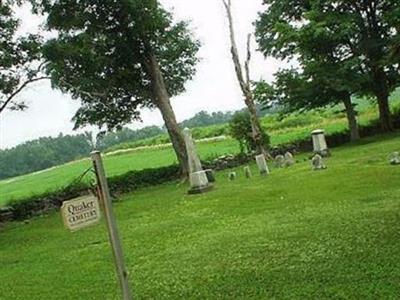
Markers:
point(296, 234)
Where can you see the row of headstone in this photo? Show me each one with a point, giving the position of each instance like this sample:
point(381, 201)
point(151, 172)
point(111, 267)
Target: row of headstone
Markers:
point(201, 180)
point(286, 160)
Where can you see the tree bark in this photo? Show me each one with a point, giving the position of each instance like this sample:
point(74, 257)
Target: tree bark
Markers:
point(351, 118)
point(162, 101)
point(381, 91)
point(245, 83)
point(384, 112)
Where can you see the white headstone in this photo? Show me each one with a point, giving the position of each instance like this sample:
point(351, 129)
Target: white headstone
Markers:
point(193, 158)
point(197, 177)
point(279, 161)
point(289, 160)
point(247, 172)
point(262, 164)
point(232, 176)
point(394, 158)
point(317, 163)
point(319, 142)
point(80, 212)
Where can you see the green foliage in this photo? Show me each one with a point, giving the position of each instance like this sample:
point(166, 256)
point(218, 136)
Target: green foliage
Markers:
point(343, 47)
point(245, 239)
point(42, 153)
point(110, 139)
point(240, 129)
point(19, 59)
point(204, 118)
point(105, 52)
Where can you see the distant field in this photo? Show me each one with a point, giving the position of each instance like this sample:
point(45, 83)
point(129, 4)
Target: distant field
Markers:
point(296, 234)
point(289, 129)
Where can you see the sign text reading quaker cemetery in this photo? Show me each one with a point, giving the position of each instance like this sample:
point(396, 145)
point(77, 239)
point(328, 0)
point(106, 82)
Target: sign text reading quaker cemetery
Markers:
point(80, 212)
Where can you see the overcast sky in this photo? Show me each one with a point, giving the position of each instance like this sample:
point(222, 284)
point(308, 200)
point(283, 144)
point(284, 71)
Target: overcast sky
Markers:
point(214, 88)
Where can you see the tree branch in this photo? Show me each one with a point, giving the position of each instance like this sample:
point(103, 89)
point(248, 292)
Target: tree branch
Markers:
point(234, 51)
point(247, 63)
point(16, 92)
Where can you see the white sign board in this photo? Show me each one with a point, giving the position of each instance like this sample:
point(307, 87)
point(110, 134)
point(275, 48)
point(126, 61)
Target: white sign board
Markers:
point(80, 212)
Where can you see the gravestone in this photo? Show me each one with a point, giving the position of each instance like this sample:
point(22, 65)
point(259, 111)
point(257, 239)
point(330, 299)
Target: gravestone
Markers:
point(279, 161)
point(232, 176)
point(317, 163)
point(319, 143)
point(289, 160)
point(262, 164)
point(247, 172)
point(197, 176)
point(210, 175)
point(394, 158)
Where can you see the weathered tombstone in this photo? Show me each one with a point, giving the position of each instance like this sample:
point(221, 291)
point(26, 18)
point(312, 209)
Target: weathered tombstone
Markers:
point(232, 176)
point(394, 158)
point(279, 161)
point(319, 143)
point(247, 172)
point(197, 176)
point(317, 163)
point(289, 160)
point(262, 164)
point(210, 175)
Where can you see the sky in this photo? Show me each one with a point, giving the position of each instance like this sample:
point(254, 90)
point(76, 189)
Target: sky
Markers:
point(214, 88)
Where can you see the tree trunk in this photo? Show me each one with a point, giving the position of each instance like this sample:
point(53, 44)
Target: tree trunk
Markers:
point(162, 101)
point(351, 118)
point(381, 92)
point(245, 84)
point(384, 112)
point(255, 125)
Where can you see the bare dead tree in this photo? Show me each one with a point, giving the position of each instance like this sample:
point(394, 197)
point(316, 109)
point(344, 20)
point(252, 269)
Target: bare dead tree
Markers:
point(244, 81)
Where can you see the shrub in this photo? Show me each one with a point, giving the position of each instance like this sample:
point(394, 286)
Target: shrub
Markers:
point(240, 129)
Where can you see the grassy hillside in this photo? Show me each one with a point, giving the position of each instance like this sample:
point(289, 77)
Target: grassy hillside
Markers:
point(296, 234)
point(286, 130)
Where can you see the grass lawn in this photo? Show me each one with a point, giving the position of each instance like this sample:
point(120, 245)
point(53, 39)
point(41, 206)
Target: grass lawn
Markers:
point(297, 234)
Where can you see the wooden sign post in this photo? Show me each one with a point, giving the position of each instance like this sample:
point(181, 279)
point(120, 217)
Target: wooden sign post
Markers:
point(113, 235)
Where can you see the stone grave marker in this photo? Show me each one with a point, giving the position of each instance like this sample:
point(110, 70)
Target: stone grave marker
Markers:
point(262, 164)
point(232, 176)
point(394, 158)
point(317, 163)
point(289, 160)
point(279, 161)
point(247, 172)
point(197, 176)
point(319, 143)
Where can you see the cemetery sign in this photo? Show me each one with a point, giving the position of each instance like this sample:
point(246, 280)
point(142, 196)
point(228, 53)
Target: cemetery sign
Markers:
point(80, 212)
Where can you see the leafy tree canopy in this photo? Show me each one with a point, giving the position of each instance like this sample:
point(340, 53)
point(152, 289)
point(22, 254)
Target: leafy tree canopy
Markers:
point(103, 52)
point(19, 59)
point(350, 44)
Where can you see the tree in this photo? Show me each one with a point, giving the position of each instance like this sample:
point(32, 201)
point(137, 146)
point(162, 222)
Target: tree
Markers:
point(363, 34)
point(19, 60)
point(301, 90)
point(120, 56)
point(241, 129)
point(245, 83)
